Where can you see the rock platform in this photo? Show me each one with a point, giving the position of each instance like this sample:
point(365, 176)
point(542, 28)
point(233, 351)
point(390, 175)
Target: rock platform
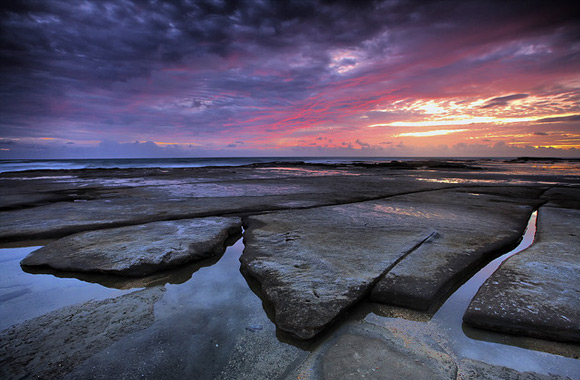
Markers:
point(313, 264)
point(137, 250)
point(321, 241)
point(536, 292)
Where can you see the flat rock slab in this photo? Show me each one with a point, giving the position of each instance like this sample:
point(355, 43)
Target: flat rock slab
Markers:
point(536, 292)
point(477, 370)
point(43, 205)
point(49, 346)
point(358, 356)
point(365, 351)
point(137, 250)
point(313, 264)
point(472, 226)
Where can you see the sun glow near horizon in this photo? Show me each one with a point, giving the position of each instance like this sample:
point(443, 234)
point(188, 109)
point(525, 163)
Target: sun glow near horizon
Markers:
point(514, 120)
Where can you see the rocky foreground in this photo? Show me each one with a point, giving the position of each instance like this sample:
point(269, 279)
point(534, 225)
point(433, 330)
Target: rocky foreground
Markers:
point(137, 250)
point(319, 240)
point(549, 270)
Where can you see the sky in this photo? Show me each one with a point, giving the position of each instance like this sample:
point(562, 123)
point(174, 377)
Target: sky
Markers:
point(129, 78)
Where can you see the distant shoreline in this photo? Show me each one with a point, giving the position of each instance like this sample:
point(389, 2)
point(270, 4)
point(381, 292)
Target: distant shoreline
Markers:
point(17, 165)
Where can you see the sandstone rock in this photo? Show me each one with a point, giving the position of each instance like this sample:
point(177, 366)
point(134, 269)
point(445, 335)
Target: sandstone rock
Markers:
point(560, 196)
point(46, 205)
point(49, 346)
point(358, 356)
point(313, 264)
point(535, 292)
point(473, 226)
point(137, 250)
point(200, 332)
point(476, 370)
point(365, 351)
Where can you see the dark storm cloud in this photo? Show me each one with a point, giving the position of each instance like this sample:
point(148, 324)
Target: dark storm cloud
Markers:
point(50, 49)
point(503, 101)
point(116, 40)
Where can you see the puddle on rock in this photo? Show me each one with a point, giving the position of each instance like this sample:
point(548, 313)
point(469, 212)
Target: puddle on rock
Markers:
point(25, 295)
point(446, 326)
point(208, 322)
point(520, 353)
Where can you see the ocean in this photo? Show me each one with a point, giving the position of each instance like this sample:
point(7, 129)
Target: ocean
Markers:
point(63, 164)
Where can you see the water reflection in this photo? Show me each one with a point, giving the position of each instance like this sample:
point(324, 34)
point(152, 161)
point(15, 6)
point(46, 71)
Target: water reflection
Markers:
point(177, 275)
point(406, 211)
point(303, 172)
point(25, 295)
point(211, 326)
point(171, 276)
point(487, 336)
point(512, 351)
point(446, 326)
point(451, 312)
point(460, 180)
point(209, 322)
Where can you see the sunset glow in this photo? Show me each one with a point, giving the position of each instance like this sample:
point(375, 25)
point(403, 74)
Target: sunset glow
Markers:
point(377, 78)
point(431, 133)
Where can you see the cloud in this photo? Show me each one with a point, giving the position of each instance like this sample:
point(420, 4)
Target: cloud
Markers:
point(438, 132)
point(541, 134)
point(560, 119)
point(503, 101)
point(235, 144)
point(104, 149)
point(362, 144)
point(499, 149)
point(215, 72)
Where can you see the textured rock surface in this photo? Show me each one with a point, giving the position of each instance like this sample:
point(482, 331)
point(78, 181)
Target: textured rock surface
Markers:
point(51, 345)
point(476, 370)
point(536, 291)
point(313, 264)
point(137, 250)
point(472, 226)
point(365, 351)
point(90, 199)
point(208, 323)
point(358, 356)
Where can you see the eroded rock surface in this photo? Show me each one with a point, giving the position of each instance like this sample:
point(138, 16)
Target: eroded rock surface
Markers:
point(472, 226)
point(51, 204)
point(51, 345)
point(137, 250)
point(477, 370)
point(224, 341)
point(358, 356)
point(313, 264)
point(536, 291)
point(365, 351)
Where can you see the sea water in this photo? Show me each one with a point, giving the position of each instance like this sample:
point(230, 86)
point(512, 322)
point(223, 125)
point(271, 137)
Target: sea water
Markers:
point(124, 163)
